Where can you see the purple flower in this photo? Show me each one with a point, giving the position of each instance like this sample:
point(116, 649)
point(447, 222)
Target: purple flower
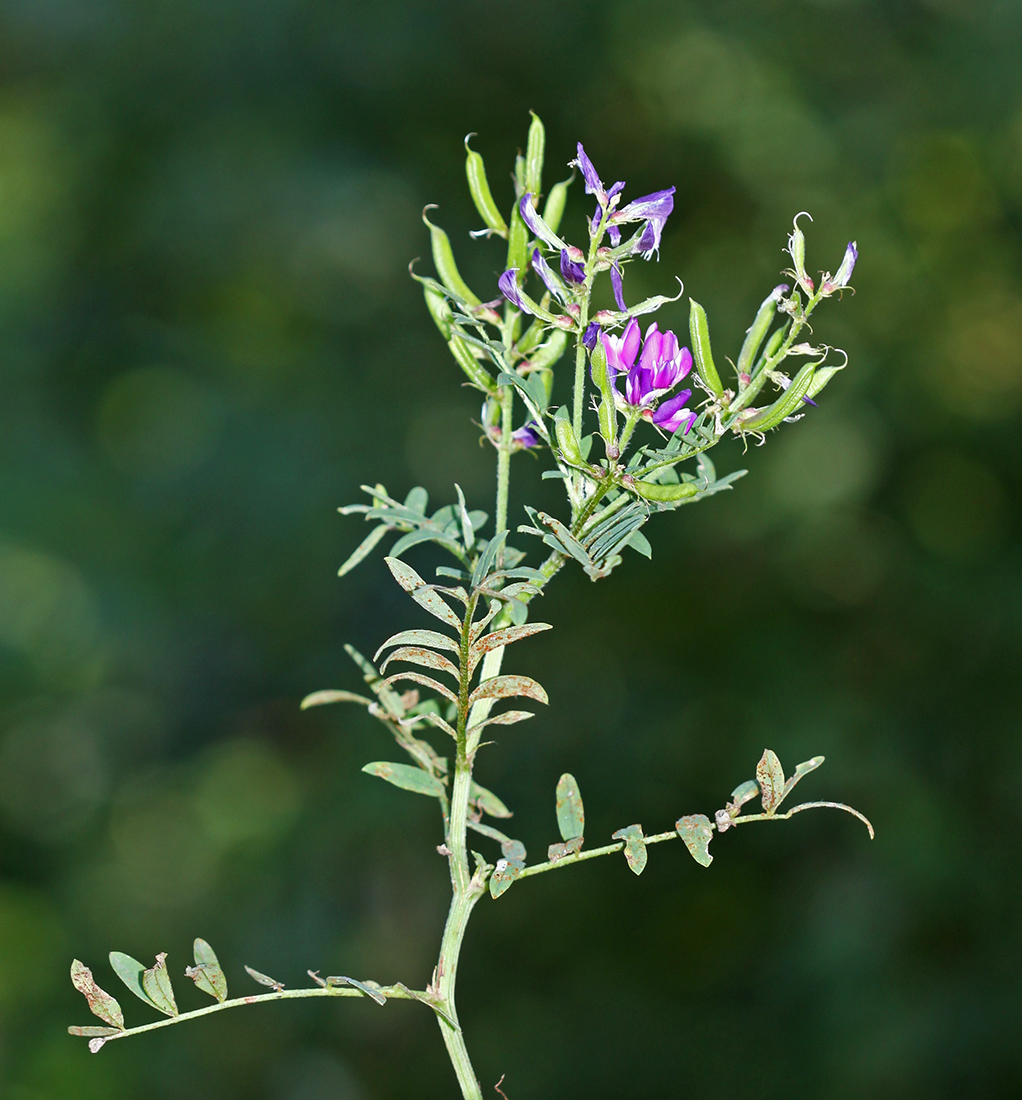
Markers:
point(671, 414)
point(844, 272)
point(618, 285)
point(526, 436)
point(508, 283)
point(594, 185)
point(573, 272)
point(590, 336)
point(545, 272)
point(654, 210)
point(538, 227)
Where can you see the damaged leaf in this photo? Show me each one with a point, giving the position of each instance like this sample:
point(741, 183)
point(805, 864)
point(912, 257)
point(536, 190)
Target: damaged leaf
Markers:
point(770, 776)
point(635, 847)
point(697, 832)
point(101, 1004)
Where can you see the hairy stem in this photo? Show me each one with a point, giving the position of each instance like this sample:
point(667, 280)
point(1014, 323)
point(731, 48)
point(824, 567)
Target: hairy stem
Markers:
point(507, 398)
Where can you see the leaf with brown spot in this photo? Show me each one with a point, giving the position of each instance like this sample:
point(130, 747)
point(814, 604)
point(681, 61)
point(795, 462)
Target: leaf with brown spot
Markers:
point(417, 655)
point(505, 718)
point(770, 776)
point(407, 777)
point(330, 695)
point(432, 638)
point(508, 687)
point(101, 1004)
point(507, 636)
point(423, 594)
point(697, 832)
point(564, 848)
point(156, 983)
point(571, 816)
point(426, 681)
point(635, 847)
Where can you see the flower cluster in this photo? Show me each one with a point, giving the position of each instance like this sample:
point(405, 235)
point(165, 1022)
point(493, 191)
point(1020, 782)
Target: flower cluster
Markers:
point(651, 374)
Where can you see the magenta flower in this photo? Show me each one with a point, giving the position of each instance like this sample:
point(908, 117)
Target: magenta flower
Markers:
point(652, 374)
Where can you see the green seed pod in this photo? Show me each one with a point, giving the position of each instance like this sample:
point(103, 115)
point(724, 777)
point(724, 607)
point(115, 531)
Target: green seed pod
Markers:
point(535, 147)
point(789, 402)
point(699, 330)
point(517, 241)
point(479, 188)
point(553, 208)
point(567, 441)
point(598, 363)
point(665, 494)
point(758, 329)
point(776, 338)
point(478, 375)
point(439, 310)
point(608, 424)
point(443, 260)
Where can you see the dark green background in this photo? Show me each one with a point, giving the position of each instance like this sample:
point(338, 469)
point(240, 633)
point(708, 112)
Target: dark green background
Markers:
point(208, 339)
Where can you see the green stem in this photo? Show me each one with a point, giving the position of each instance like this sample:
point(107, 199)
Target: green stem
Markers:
point(585, 291)
point(391, 992)
point(592, 853)
point(507, 398)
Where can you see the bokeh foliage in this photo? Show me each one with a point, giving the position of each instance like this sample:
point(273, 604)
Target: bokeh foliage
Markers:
point(209, 339)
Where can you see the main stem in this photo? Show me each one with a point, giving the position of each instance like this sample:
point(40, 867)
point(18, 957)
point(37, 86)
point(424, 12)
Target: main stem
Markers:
point(467, 888)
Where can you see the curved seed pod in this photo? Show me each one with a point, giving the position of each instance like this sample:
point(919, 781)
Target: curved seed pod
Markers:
point(699, 331)
point(439, 310)
point(665, 494)
point(479, 188)
point(443, 260)
point(535, 148)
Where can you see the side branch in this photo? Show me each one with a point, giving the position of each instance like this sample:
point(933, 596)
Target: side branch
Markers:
point(398, 992)
point(592, 853)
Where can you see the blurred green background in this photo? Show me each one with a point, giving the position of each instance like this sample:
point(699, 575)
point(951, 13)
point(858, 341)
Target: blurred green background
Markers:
point(208, 339)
